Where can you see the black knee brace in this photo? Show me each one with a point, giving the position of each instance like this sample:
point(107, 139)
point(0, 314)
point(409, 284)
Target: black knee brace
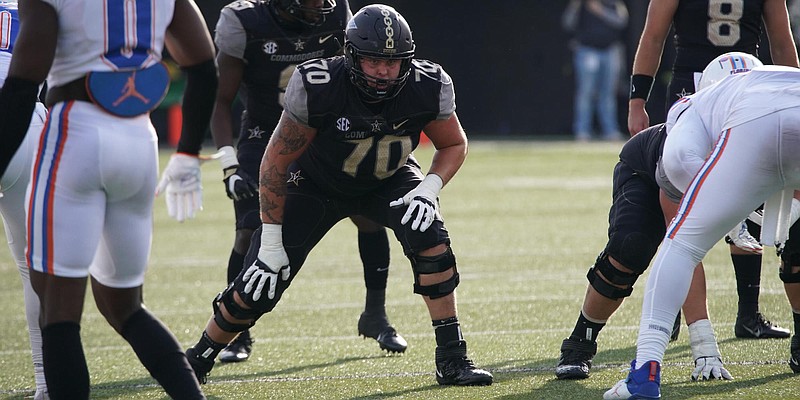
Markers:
point(786, 274)
point(432, 265)
point(235, 310)
point(613, 276)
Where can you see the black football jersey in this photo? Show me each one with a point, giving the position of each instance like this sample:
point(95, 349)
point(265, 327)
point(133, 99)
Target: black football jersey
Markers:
point(249, 30)
point(357, 148)
point(643, 151)
point(705, 29)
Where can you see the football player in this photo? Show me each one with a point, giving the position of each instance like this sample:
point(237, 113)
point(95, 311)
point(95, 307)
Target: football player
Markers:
point(260, 43)
point(12, 198)
point(705, 29)
point(751, 122)
point(343, 147)
point(96, 167)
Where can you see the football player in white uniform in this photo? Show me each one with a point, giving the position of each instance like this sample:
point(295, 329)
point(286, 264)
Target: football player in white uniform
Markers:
point(95, 169)
point(753, 119)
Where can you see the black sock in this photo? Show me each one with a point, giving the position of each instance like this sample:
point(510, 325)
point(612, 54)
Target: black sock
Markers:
point(796, 317)
point(235, 265)
point(160, 353)
point(585, 329)
point(376, 301)
point(208, 348)
point(374, 250)
point(65, 367)
point(748, 282)
point(447, 330)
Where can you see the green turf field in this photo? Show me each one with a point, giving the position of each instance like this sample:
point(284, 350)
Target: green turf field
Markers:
point(526, 218)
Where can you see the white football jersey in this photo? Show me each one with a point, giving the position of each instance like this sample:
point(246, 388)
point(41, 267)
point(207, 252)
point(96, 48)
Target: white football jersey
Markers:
point(101, 35)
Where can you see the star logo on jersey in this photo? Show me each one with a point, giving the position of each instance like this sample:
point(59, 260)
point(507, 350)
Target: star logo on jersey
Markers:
point(299, 45)
point(294, 177)
point(255, 133)
point(376, 126)
point(270, 47)
point(683, 93)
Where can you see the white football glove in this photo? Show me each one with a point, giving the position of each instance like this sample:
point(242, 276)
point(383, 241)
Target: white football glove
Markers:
point(707, 359)
point(271, 261)
point(181, 181)
point(740, 237)
point(422, 203)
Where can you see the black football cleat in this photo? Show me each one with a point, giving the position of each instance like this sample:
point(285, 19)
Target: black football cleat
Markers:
point(794, 360)
point(238, 350)
point(377, 326)
point(454, 368)
point(201, 366)
point(676, 328)
point(758, 327)
point(576, 358)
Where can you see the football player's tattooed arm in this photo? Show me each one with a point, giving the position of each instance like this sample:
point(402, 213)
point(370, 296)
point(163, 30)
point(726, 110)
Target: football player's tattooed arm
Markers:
point(450, 141)
point(781, 42)
point(648, 56)
point(288, 142)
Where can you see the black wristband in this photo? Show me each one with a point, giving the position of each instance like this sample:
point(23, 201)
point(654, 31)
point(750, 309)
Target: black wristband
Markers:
point(641, 86)
point(198, 103)
point(17, 101)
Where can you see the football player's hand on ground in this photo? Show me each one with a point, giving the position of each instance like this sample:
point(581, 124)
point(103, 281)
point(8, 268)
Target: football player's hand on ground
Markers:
point(181, 183)
point(271, 262)
point(421, 202)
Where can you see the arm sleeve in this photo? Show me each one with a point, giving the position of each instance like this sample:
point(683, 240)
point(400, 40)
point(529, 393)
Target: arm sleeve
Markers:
point(198, 103)
point(17, 101)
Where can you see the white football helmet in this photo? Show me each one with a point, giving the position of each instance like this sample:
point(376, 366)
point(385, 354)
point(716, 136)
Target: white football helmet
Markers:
point(727, 64)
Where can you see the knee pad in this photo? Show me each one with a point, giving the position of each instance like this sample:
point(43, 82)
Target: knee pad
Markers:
point(613, 276)
point(635, 250)
point(432, 265)
point(235, 310)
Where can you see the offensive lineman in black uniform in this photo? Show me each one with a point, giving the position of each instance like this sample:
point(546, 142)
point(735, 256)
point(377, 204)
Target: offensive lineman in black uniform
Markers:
point(260, 44)
point(705, 29)
point(343, 147)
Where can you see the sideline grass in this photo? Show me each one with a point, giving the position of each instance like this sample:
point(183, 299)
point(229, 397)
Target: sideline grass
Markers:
point(526, 219)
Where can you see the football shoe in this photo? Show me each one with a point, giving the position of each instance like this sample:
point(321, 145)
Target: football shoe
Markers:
point(201, 366)
point(238, 350)
point(576, 358)
point(642, 383)
point(454, 368)
point(758, 327)
point(794, 360)
point(376, 326)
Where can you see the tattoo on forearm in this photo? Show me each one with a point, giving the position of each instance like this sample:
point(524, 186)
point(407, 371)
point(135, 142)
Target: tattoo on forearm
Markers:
point(292, 138)
point(274, 184)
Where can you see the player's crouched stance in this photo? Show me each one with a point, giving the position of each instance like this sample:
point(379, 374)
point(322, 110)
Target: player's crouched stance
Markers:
point(343, 148)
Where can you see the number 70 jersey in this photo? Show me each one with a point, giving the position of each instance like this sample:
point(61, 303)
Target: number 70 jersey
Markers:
point(358, 145)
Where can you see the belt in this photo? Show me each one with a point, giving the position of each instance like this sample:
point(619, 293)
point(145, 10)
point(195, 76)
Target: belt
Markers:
point(75, 90)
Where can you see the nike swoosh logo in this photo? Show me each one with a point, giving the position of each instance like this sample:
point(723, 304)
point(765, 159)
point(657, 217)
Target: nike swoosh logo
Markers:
point(399, 124)
point(382, 269)
point(324, 39)
point(439, 374)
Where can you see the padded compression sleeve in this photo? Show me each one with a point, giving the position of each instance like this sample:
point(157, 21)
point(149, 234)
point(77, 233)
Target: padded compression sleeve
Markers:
point(17, 101)
point(198, 103)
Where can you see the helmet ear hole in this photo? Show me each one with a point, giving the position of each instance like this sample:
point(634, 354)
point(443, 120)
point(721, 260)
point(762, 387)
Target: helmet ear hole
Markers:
point(727, 64)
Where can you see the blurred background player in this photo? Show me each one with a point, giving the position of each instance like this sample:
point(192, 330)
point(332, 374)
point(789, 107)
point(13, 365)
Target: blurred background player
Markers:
point(100, 147)
point(750, 122)
point(705, 29)
point(597, 27)
point(343, 147)
point(260, 43)
point(13, 185)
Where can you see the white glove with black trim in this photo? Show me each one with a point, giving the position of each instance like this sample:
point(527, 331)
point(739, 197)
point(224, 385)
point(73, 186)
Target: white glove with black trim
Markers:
point(271, 261)
point(181, 182)
point(740, 237)
point(422, 203)
point(239, 185)
point(707, 359)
